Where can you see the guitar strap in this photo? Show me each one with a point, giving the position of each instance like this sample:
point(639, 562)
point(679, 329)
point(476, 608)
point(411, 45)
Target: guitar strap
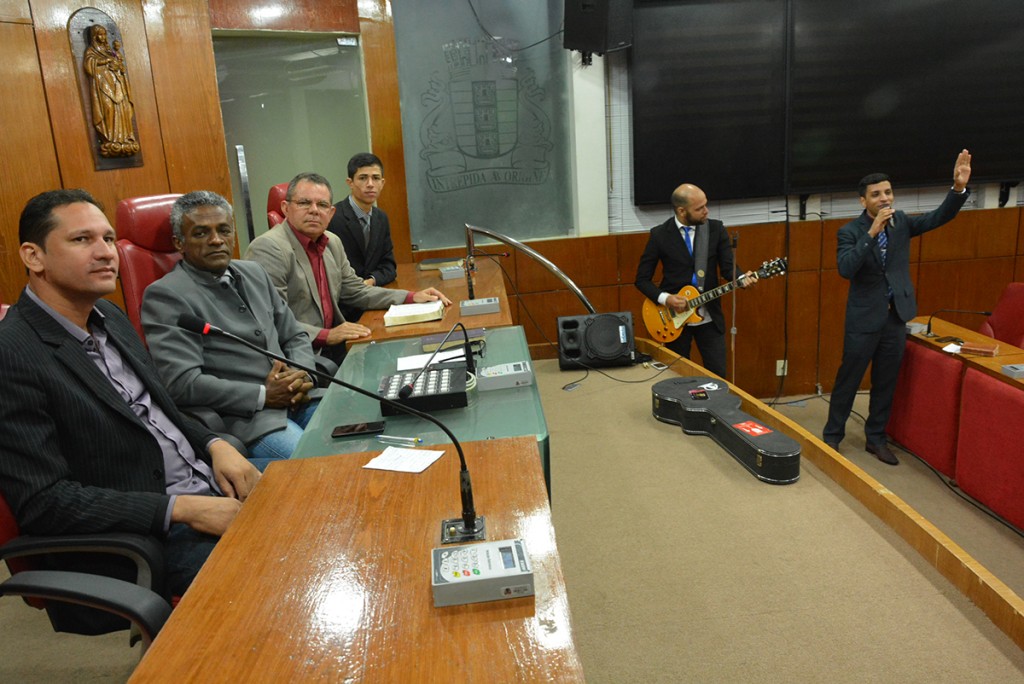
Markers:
point(701, 238)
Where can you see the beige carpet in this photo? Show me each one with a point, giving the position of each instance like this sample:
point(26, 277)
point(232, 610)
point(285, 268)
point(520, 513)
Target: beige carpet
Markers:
point(682, 567)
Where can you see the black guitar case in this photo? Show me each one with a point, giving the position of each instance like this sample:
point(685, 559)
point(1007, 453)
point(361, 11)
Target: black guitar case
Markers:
point(768, 454)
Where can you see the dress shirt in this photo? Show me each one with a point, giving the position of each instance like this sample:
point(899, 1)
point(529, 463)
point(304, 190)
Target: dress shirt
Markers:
point(184, 472)
point(315, 252)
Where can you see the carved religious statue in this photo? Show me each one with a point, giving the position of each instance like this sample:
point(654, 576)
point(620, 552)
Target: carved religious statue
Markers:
point(113, 113)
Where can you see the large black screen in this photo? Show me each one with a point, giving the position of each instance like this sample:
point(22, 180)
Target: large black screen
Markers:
point(707, 84)
point(759, 98)
point(901, 87)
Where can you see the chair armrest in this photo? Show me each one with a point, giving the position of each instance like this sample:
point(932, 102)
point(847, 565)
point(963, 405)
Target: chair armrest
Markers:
point(140, 606)
point(145, 551)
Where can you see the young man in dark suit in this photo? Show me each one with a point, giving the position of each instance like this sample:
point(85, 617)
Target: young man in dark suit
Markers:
point(90, 440)
point(364, 228)
point(678, 244)
point(873, 253)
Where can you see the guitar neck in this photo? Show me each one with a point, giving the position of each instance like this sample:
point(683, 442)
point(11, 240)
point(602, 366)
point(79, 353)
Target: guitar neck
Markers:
point(714, 294)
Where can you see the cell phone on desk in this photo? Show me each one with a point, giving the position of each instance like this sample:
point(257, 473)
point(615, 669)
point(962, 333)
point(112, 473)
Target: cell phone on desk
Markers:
point(354, 429)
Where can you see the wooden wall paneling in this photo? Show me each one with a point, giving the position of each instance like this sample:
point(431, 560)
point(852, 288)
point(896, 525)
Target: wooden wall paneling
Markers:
point(71, 122)
point(1020, 231)
point(28, 163)
point(757, 244)
point(632, 300)
point(185, 80)
point(760, 324)
point(832, 295)
point(802, 316)
point(630, 247)
point(805, 244)
point(380, 63)
point(543, 309)
point(830, 242)
point(588, 261)
point(973, 285)
point(15, 11)
point(973, 234)
point(1018, 270)
point(335, 16)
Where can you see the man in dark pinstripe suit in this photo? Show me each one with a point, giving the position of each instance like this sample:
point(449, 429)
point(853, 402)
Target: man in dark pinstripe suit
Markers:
point(90, 441)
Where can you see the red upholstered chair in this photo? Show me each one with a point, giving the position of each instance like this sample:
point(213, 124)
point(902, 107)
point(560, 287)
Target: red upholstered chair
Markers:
point(144, 248)
point(1006, 323)
point(925, 414)
point(274, 199)
point(990, 451)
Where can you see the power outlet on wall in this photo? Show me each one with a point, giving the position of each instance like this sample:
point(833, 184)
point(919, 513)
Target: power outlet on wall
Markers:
point(781, 367)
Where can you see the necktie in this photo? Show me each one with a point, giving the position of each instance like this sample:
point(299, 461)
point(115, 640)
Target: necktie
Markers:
point(883, 245)
point(689, 246)
point(365, 220)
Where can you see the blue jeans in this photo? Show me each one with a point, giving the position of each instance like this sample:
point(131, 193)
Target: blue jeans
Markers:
point(185, 551)
point(279, 445)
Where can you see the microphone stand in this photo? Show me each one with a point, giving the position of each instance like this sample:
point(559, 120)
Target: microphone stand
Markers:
point(929, 332)
point(469, 527)
point(406, 391)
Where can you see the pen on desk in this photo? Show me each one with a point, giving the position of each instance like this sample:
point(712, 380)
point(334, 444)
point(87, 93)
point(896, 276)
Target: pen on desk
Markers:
point(399, 441)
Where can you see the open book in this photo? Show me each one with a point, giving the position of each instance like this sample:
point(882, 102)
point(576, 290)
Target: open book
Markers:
point(401, 314)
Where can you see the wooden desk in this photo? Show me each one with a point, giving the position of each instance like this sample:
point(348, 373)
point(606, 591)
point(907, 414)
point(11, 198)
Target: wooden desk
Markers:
point(325, 576)
point(488, 281)
point(991, 365)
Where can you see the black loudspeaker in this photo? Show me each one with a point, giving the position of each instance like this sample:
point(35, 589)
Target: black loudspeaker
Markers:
point(598, 25)
point(595, 340)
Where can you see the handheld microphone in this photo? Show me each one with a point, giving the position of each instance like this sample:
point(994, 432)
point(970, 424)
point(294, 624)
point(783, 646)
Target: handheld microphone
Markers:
point(929, 332)
point(407, 389)
point(469, 527)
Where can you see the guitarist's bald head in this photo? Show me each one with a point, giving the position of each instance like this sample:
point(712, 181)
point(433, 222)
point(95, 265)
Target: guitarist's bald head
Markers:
point(685, 194)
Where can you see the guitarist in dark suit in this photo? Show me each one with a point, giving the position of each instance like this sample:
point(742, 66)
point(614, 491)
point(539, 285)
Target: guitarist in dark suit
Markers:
point(873, 253)
point(364, 228)
point(679, 243)
point(90, 440)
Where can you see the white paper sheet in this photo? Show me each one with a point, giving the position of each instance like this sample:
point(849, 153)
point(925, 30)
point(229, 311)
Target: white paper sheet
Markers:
point(403, 460)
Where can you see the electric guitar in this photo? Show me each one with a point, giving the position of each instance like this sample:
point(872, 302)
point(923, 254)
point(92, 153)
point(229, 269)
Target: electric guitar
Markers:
point(665, 325)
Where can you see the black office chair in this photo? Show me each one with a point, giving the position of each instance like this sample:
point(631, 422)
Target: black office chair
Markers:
point(138, 604)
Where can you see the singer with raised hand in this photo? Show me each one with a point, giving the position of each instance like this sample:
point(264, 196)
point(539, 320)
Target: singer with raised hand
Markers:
point(873, 253)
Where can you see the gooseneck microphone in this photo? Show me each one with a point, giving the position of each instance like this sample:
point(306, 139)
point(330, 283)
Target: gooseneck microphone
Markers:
point(929, 332)
point(471, 527)
point(406, 390)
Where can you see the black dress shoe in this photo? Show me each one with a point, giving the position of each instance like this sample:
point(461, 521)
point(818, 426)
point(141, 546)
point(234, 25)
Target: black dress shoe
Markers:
point(834, 445)
point(881, 451)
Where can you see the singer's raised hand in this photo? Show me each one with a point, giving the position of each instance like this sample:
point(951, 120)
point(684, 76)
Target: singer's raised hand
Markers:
point(962, 170)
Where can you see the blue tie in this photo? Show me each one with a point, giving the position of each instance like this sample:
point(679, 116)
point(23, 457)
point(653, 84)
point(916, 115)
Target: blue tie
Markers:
point(689, 246)
point(883, 245)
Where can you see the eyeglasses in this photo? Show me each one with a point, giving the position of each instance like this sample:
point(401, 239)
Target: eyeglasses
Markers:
point(306, 205)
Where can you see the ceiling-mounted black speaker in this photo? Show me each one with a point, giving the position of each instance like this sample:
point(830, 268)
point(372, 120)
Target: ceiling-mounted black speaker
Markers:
point(598, 25)
point(595, 340)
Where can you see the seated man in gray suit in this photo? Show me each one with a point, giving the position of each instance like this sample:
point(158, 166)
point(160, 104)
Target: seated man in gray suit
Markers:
point(312, 272)
point(90, 440)
point(264, 403)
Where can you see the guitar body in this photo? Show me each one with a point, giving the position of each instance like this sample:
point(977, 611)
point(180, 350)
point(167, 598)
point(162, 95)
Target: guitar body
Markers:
point(663, 324)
